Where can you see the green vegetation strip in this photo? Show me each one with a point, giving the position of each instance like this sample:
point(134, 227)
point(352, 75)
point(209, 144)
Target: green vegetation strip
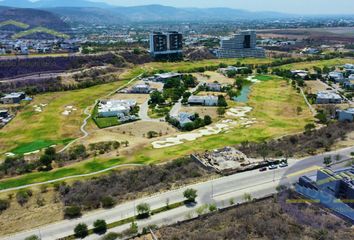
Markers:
point(40, 30)
point(14, 23)
point(133, 218)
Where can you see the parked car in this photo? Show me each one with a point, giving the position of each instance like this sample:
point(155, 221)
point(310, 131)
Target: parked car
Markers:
point(263, 169)
point(283, 164)
point(271, 167)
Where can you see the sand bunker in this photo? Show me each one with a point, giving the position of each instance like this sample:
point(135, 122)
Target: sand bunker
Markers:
point(252, 79)
point(209, 130)
point(239, 113)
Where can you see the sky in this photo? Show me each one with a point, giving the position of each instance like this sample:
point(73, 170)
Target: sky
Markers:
point(287, 6)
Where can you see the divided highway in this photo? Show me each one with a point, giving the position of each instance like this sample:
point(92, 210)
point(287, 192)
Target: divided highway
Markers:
point(219, 191)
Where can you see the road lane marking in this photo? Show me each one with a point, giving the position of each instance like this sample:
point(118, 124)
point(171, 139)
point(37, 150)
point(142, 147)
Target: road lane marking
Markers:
point(306, 170)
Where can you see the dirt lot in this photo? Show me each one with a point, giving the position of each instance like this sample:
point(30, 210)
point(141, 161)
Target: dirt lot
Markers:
point(139, 98)
point(31, 215)
point(135, 133)
point(270, 218)
point(210, 77)
point(201, 110)
point(315, 86)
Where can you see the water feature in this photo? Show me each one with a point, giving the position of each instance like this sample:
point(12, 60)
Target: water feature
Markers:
point(244, 93)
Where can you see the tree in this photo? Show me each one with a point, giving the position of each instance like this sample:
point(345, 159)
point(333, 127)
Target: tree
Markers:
point(81, 230)
point(221, 111)
point(23, 196)
point(33, 237)
point(99, 226)
point(327, 160)
point(221, 101)
point(133, 228)
point(143, 210)
point(152, 134)
point(72, 212)
point(207, 120)
point(108, 202)
point(46, 161)
point(309, 127)
point(190, 195)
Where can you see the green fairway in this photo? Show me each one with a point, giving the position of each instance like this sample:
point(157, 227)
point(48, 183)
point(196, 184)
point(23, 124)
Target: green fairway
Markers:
point(274, 104)
point(31, 130)
point(189, 65)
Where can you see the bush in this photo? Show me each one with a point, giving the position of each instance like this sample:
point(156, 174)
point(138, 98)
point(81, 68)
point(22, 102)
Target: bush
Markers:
point(99, 226)
point(143, 210)
point(81, 230)
point(23, 196)
point(190, 195)
point(72, 212)
point(108, 202)
point(33, 237)
point(4, 204)
point(110, 236)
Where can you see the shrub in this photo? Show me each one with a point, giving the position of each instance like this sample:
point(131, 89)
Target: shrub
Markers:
point(23, 196)
point(108, 202)
point(190, 195)
point(72, 212)
point(81, 230)
point(99, 226)
point(4, 204)
point(110, 236)
point(143, 210)
point(33, 237)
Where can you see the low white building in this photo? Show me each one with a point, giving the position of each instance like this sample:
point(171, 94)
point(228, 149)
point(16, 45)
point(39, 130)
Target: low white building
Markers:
point(328, 97)
point(203, 100)
point(300, 73)
point(141, 88)
point(113, 108)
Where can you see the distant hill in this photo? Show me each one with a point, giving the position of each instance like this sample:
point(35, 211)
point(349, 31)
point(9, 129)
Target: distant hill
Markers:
point(98, 12)
point(87, 15)
point(52, 3)
point(32, 23)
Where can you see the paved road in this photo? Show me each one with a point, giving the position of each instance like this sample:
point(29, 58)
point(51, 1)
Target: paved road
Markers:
point(220, 190)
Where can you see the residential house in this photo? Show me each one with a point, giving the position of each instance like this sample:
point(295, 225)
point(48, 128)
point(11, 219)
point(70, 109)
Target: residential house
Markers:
point(214, 87)
point(113, 108)
point(346, 115)
point(141, 88)
point(184, 118)
point(203, 100)
point(4, 113)
point(328, 97)
point(13, 98)
point(336, 76)
point(300, 73)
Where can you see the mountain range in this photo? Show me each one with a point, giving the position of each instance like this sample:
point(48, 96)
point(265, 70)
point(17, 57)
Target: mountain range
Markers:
point(98, 12)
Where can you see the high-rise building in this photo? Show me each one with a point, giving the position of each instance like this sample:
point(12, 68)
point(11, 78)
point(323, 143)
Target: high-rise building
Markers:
point(242, 44)
point(168, 44)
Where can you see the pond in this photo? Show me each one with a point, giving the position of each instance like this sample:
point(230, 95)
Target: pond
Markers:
point(245, 91)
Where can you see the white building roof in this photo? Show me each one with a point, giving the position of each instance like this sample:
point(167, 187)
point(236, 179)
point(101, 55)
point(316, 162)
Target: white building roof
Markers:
point(328, 95)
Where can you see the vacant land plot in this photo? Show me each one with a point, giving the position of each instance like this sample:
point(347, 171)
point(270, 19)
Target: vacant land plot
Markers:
point(41, 209)
point(211, 77)
point(315, 86)
point(201, 110)
point(266, 219)
point(319, 63)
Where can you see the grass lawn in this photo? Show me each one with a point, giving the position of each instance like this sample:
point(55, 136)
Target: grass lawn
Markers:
point(31, 130)
point(185, 66)
point(319, 63)
point(264, 77)
point(275, 107)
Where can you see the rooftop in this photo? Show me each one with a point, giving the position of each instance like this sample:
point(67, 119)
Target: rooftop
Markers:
point(328, 95)
point(14, 95)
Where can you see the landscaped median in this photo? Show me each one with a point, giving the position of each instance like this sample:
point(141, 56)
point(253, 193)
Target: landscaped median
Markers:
point(133, 218)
